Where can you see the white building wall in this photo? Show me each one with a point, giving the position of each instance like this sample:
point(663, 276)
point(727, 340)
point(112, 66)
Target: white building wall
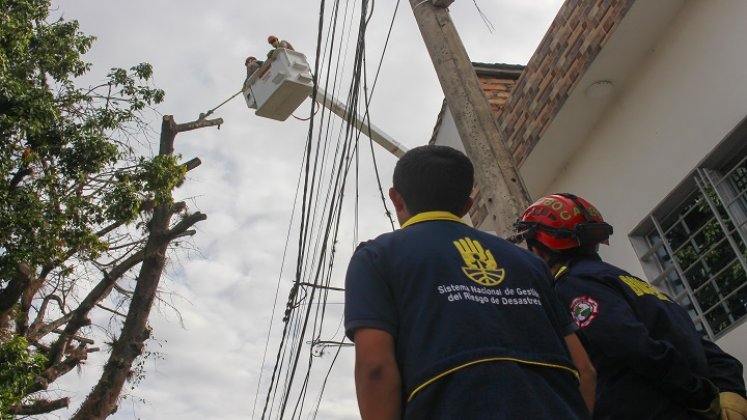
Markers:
point(685, 98)
point(447, 133)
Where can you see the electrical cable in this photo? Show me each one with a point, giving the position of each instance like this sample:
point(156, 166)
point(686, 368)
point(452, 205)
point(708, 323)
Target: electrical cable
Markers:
point(338, 187)
point(320, 218)
point(306, 166)
point(484, 18)
point(306, 119)
point(367, 114)
point(277, 289)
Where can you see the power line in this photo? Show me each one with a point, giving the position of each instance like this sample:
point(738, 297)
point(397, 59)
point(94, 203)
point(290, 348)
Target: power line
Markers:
point(320, 218)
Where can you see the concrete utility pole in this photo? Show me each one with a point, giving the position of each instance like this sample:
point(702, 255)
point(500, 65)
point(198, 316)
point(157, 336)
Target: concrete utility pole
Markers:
point(496, 175)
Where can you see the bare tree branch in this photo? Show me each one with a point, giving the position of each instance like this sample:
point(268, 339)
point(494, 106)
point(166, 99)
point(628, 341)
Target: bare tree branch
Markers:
point(98, 293)
point(122, 290)
point(185, 224)
point(108, 229)
point(194, 125)
point(78, 338)
point(39, 407)
point(188, 232)
point(40, 346)
point(45, 329)
point(75, 357)
point(111, 310)
point(42, 312)
point(192, 163)
point(14, 290)
point(18, 177)
point(178, 207)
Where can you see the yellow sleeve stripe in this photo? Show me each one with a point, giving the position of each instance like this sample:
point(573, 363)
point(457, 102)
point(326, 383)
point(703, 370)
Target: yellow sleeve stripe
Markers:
point(574, 372)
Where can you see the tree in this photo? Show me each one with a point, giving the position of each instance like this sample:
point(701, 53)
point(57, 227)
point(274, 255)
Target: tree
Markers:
point(80, 211)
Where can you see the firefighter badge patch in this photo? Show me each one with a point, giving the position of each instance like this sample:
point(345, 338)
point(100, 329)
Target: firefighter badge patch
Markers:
point(584, 309)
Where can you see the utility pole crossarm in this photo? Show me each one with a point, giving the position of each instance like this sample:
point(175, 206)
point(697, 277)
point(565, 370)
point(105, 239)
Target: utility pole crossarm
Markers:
point(376, 134)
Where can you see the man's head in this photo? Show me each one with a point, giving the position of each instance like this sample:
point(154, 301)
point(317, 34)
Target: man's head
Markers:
point(430, 178)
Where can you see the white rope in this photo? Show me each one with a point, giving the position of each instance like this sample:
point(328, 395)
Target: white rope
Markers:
point(205, 115)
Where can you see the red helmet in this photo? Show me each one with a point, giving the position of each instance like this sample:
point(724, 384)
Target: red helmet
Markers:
point(271, 39)
point(563, 221)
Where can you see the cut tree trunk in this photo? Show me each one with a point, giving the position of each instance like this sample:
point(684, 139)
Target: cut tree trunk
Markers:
point(102, 401)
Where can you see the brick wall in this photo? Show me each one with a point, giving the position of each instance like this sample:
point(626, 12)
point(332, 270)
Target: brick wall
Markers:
point(497, 90)
point(497, 82)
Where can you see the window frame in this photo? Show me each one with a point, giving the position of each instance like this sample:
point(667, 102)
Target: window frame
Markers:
point(711, 176)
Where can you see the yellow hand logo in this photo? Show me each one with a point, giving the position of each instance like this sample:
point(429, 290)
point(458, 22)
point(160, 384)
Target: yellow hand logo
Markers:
point(481, 266)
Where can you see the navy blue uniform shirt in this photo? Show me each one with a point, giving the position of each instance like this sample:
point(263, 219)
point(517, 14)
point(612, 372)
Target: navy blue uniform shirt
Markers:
point(478, 330)
point(651, 362)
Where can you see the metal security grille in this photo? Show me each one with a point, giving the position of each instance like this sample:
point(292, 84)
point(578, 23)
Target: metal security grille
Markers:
point(699, 249)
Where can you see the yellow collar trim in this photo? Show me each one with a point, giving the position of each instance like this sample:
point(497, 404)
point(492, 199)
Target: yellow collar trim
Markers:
point(428, 216)
point(562, 270)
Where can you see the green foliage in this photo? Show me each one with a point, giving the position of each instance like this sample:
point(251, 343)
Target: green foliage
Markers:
point(63, 171)
point(161, 175)
point(123, 199)
point(18, 368)
point(71, 183)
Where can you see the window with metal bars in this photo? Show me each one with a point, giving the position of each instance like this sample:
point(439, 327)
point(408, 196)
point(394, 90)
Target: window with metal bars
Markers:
point(694, 246)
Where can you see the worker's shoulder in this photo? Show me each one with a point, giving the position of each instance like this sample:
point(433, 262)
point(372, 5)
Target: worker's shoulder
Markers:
point(594, 265)
point(378, 243)
point(374, 243)
point(584, 272)
point(363, 245)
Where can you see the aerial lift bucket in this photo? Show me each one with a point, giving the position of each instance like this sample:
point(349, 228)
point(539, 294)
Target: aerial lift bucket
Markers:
point(280, 86)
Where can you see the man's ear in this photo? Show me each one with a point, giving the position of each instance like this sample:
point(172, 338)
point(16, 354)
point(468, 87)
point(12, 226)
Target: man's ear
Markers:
point(400, 207)
point(397, 200)
point(467, 206)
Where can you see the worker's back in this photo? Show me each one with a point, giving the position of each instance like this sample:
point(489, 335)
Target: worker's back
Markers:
point(478, 330)
point(643, 345)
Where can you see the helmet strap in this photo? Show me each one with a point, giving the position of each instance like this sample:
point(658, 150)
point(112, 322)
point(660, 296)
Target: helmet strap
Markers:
point(579, 205)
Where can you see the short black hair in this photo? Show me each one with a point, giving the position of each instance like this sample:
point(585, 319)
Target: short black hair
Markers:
point(432, 177)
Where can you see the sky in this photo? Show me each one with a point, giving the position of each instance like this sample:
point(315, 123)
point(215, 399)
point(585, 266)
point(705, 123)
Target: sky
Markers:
point(212, 327)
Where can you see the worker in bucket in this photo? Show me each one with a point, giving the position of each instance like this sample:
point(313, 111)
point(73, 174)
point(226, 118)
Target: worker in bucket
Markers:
point(450, 322)
point(651, 362)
